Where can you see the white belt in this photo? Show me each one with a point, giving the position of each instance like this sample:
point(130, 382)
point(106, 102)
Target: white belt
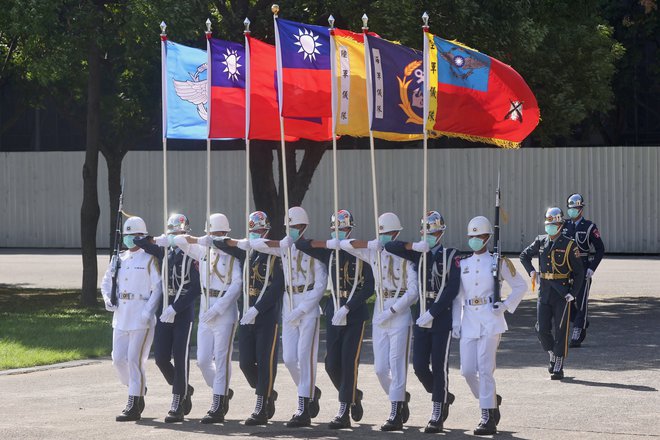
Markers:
point(479, 301)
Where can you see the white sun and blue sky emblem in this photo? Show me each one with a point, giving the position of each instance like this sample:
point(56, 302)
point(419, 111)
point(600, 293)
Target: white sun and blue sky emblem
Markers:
point(232, 64)
point(304, 46)
point(308, 43)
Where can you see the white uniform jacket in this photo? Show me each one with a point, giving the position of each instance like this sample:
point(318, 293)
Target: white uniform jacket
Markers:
point(226, 276)
point(475, 296)
point(309, 277)
point(138, 288)
point(398, 276)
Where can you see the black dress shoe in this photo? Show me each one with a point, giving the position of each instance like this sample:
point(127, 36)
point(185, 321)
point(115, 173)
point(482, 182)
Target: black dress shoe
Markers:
point(256, 419)
point(357, 411)
point(187, 402)
point(314, 406)
point(299, 420)
point(433, 427)
point(487, 424)
point(445, 406)
point(216, 414)
point(341, 420)
point(557, 375)
point(270, 405)
point(225, 401)
point(405, 409)
point(496, 411)
point(132, 411)
point(395, 421)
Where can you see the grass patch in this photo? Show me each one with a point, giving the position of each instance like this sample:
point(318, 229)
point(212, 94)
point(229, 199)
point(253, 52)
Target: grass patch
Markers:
point(45, 326)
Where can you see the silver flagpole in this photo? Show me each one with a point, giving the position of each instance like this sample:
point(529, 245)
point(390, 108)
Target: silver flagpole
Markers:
point(246, 263)
point(163, 54)
point(425, 164)
point(209, 65)
point(365, 29)
point(276, 9)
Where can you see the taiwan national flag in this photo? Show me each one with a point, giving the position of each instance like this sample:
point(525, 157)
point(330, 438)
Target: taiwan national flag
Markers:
point(304, 60)
point(476, 97)
point(186, 103)
point(264, 109)
point(227, 118)
point(397, 88)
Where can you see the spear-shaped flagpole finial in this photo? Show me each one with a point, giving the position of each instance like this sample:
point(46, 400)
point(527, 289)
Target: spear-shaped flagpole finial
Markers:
point(425, 19)
point(163, 28)
point(246, 24)
point(331, 21)
point(208, 25)
point(275, 9)
point(365, 22)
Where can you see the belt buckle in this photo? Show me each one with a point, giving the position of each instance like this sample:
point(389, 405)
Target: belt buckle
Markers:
point(477, 302)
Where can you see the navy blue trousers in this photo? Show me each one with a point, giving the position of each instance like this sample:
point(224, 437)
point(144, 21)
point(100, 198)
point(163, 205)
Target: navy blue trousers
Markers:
point(258, 346)
point(343, 347)
point(172, 342)
point(431, 349)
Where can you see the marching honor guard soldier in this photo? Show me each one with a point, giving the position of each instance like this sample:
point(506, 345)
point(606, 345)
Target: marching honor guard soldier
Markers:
point(478, 318)
point(218, 314)
point(396, 289)
point(561, 274)
point(261, 306)
point(586, 235)
point(432, 330)
point(138, 290)
point(305, 281)
point(173, 329)
point(345, 324)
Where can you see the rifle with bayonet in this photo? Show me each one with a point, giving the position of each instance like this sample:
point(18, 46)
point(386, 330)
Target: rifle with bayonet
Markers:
point(116, 261)
point(497, 251)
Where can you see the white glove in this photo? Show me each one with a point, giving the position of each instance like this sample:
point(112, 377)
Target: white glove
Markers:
point(590, 273)
point(425, 320)
point(569, 297)
point(340, 315)
point(208, 315)
point(249, 316)
point(109, 307)
point(499, 308)
point(375, 245)
point(286, 242)
point(146, 314)
point(168, 315)
point(383, 317)
point(333, 243)
point(456, 332)
point(162, 240)
point(243, 243)
point(293, 317)
point(205, 241)
point(421, 246)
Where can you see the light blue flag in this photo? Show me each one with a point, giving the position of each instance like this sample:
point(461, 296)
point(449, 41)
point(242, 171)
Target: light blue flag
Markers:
point(187, 92)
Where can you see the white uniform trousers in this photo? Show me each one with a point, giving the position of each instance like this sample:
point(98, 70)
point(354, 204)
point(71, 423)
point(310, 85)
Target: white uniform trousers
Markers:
point(391, 356)
point(130, 351)
point(478, 359)
point(300, 346)
point(214, 349)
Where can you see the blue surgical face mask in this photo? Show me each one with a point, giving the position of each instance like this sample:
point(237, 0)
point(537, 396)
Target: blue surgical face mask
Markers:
point(294, 233)
point(573, 212)
point(385, 238)
point(432, 240)
point(476, 243)
point(342, 235)
point(552, 229)
point(254, 235)
point(128, 241)
point(170, 240)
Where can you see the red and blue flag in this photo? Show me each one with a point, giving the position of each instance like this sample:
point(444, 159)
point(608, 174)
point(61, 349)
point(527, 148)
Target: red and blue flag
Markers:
point(227, 118)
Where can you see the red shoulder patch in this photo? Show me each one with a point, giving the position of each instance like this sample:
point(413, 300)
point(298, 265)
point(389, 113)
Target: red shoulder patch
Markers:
point(596, 233)
point(196, 263)
point(457, 261)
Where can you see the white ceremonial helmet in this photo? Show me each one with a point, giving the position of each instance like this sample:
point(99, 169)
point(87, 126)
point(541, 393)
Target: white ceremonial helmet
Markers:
point(297, 216)
point(478, 226)
point(388, 222)
point(219, 223)
point(135, 225)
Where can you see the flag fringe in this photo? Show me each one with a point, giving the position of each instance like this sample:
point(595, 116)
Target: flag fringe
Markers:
point(502, 143)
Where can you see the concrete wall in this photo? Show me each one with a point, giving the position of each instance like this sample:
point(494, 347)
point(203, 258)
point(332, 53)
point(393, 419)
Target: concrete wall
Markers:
point(41, 193)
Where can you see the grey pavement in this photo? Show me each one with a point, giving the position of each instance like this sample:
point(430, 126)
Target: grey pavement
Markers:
point(610, 390)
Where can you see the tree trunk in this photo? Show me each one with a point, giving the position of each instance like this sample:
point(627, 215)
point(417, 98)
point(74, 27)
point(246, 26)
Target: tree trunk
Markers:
point(90, 212)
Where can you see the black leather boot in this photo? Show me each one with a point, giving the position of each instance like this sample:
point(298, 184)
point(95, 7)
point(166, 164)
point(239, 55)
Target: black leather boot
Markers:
point(260, 414)
point(342, 419)
point(314, 406)
point(356, 409)
point(558, 370)
point(216, 414)
point(486, 424)
point(301, 418)
point(225, 401)
point(496, 411)
point(434, 425)
point(395, 421)
point(176, 411)
point(187, 402)
point(270, 404)
point(405, 410)
point(445, 406)
point(551, 365)
point(132, 411)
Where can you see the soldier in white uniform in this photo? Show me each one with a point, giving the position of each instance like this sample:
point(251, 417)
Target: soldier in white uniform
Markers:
point(218, 316)
point(479, 321)
point(306, 279)
point(138, 291)
point(392, 322)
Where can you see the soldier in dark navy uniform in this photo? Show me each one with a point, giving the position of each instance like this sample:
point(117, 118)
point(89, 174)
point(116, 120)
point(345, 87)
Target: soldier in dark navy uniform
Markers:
point(560, 274)
point(261, 305)
point(586, 235)
point(432, 330)
point(173, 329)
point(345, 326)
